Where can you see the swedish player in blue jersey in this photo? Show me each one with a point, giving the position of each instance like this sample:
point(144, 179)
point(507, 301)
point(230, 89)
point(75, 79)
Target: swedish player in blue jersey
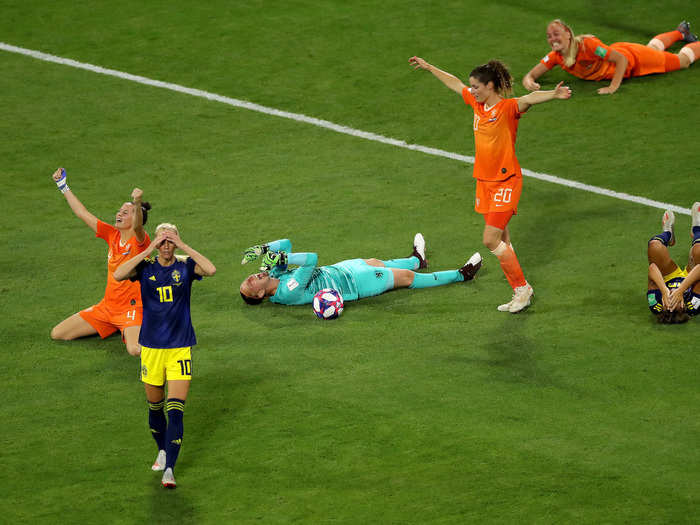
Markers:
point(354, 278)
point(167, 335)
point(673, 293)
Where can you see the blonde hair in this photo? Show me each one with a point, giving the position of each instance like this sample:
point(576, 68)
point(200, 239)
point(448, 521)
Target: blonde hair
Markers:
point(570, 54)
point(166, 226)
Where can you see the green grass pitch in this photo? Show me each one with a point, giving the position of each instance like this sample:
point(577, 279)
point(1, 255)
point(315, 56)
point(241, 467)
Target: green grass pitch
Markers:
point(424, 406)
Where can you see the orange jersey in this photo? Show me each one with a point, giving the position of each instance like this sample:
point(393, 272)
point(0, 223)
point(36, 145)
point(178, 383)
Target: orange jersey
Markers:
point(120, 296)
point(592, 64)
point(495, 130)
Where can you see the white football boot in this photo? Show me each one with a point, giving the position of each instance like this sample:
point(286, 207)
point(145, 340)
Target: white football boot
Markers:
point(521, 298)
point(667, 222)
point(695, 214)
point(419, 250)
point(505, 307)
point(159, 463)
point(470, 267)
point(168, 480)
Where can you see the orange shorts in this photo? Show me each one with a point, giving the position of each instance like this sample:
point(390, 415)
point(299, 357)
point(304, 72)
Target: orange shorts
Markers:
point(498, 196)
point(643, 60)
point(107, 321)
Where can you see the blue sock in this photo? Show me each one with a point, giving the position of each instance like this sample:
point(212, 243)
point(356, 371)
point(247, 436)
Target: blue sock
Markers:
point(173, 435)
point(696, 234)
point(409, 263)
point(428, 280)
point(157, 422)
point(664, 237)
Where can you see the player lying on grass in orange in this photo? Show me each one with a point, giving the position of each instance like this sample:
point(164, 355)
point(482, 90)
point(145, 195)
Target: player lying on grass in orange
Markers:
point(586, 57)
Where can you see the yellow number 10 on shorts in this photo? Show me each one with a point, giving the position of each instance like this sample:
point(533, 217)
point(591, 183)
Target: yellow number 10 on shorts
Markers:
point(161, 364)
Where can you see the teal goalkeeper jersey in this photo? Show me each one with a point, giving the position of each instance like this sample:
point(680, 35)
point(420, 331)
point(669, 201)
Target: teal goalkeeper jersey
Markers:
point(299, 286)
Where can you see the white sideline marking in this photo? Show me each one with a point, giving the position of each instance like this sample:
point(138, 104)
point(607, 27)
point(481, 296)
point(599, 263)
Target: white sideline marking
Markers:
point(330, 125)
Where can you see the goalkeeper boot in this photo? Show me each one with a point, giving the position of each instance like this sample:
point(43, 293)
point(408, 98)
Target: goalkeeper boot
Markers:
point(521, 298)
point(419, 251)
point(684, 28)
point(159, 463)
point(667, 222)
point(470, 268)
point(168, 480)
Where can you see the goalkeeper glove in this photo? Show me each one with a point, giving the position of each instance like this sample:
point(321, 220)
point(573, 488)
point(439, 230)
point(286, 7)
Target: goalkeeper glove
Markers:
point(253, 253)
point(272, 259)
point(62, 183)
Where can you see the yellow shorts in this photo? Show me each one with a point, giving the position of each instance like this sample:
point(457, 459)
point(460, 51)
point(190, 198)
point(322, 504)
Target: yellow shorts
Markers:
point(161, 364)
point(676, 274)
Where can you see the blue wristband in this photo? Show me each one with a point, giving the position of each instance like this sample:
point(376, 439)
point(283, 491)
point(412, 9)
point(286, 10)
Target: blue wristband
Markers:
point(62, 183)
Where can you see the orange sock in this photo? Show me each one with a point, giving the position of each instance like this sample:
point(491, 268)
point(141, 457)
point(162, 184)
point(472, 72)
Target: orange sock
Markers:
point(670, 38)
point(694, 48)
point(510, 265)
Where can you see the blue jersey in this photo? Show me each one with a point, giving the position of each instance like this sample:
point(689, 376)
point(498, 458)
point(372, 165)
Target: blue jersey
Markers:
point(165, 292)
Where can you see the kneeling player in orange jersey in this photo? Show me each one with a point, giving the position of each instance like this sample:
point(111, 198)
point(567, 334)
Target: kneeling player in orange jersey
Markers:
point(673, 293)
point(120, 308)
point(586, 57)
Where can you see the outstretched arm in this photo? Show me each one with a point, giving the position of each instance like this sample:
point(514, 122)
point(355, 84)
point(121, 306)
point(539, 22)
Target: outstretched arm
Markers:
point(537, 97)
point(446, 78)
point(620, 62)
point(535, 73)
point(59, 177)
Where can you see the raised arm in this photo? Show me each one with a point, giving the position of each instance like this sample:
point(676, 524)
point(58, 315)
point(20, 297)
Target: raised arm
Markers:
point(537, 97)
point(535, 73)
point(620, 62)
point(446, 78)
point(136, 197)
point(203, 265)
point(59, 177)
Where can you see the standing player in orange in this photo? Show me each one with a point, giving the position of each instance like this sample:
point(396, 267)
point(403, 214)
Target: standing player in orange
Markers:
point(586, 57)
point(121, 308)
point(499, 179)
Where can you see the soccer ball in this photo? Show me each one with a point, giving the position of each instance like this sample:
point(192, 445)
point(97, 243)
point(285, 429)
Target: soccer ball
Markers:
point(328, 304)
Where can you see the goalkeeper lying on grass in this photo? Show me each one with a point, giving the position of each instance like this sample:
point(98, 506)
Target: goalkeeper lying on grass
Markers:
point(354, 278)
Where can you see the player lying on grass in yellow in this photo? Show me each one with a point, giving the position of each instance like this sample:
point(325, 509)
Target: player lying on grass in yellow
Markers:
point(674, 293)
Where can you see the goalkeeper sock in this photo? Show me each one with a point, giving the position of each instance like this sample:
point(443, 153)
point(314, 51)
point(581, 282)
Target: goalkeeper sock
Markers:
point(664, 237)
point(428, 280)
point(409, 263)
point(510, 265)
point(173, 435)
point(157, 422)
